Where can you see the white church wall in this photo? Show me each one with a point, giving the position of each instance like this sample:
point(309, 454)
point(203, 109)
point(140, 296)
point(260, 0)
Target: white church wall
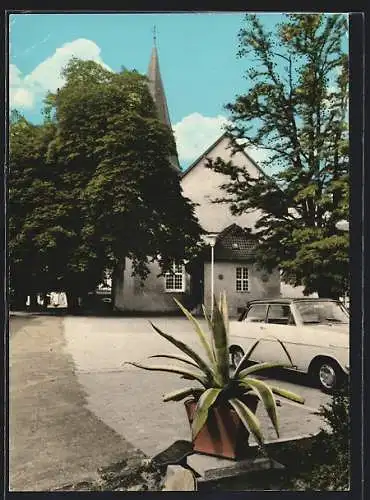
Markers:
point(202, 185)
point(130, 296)
point(261, 285)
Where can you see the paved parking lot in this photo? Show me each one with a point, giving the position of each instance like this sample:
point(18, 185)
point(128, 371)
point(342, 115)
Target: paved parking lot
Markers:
point(54, 439)
point(75, 407)
point(130, 400)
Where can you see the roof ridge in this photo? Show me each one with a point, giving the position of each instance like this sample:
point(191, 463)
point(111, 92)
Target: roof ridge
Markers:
point(195, 162)
point(222, 234)
point(214, 144)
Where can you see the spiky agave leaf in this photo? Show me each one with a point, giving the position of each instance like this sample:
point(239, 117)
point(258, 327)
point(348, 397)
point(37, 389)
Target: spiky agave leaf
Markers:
point(204, 403)
point(180, 394)
point(245, 358)
point(287, 394)
point(266, 396)
point(172, 369)
point(248, 354)
point(283, 346)
point(221, 343)
point(259, 367)
point(198, 330)
point(248, 418)
point(212, 377)
point(210, 327)
point(176, 357)
point(207, 317)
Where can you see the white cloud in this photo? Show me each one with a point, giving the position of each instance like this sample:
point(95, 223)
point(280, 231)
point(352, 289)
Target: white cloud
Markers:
point(195, 133)
point(47, 75)
point(21, 98)
point(15, 76)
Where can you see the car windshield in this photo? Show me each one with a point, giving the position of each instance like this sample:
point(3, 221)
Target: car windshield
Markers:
point(324, 311)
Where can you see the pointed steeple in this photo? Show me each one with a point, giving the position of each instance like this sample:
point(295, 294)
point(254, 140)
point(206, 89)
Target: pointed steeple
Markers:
point(159, 97)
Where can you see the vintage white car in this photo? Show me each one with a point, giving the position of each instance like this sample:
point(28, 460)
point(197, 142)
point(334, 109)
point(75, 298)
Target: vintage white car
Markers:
point(314, 331)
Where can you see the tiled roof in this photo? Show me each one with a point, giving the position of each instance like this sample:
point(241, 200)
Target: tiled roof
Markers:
point(234, 243)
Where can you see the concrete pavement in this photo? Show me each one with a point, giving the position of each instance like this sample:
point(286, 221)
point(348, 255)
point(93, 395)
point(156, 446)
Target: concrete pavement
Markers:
point(74, 405)
point(130, 400)
point(54, 438)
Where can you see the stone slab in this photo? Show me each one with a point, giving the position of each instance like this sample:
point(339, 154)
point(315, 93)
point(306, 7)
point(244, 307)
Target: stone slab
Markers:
point(179, 479)
point(210, 468)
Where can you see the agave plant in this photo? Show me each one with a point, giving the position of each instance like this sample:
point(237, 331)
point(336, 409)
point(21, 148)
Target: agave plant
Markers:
point(216, 383)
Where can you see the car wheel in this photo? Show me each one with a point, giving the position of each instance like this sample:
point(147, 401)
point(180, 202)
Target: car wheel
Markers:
point(328, 375)
point(236, 354)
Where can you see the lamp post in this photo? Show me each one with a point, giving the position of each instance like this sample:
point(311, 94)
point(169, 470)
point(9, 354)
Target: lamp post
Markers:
point(211, 240)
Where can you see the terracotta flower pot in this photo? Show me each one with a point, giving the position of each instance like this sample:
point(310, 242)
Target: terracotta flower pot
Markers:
point(223, 435)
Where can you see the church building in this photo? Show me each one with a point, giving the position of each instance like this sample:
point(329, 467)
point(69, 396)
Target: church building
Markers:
point(225, 265)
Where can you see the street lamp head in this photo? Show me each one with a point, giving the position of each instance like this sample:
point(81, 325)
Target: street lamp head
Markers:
point(210, 239)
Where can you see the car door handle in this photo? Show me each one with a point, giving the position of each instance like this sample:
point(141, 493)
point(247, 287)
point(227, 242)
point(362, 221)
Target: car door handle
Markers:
point(262, 328)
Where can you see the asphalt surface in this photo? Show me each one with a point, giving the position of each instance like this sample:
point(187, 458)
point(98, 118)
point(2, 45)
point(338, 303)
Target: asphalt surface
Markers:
point(54, 439)
point(75, 406)
point(130, 400)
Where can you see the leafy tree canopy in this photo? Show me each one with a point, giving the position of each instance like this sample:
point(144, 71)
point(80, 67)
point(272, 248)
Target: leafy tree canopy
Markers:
point(114, 191)
point(33, 205)
point(295, 110)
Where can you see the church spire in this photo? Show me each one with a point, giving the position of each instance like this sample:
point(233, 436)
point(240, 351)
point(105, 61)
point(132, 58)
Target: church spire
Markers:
point(157, 92)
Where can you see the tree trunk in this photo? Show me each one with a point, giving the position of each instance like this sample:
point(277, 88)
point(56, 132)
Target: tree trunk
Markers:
point(117, 280)
point(33, 302)
point(72, 301)
point(326, 292)
point(17, 302)
point(196, 272)
point(84, 300)
point(114, 285)
point(45, 301)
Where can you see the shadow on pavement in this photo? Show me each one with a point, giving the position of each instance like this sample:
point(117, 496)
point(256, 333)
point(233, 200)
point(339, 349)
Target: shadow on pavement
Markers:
point(92, 313)
point(293, 377)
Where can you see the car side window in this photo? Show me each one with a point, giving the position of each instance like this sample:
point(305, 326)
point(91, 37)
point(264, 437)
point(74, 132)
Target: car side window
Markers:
point(256, 313)
point(280, 314)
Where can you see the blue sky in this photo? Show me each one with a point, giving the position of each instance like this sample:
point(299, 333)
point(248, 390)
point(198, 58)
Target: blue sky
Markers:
point(197, 54)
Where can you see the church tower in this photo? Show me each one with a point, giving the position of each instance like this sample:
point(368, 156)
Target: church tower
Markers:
point(159, 97)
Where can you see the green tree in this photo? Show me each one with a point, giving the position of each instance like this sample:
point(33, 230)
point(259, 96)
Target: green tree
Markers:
point(295, 110)
point(125, 197)
point(31, 208)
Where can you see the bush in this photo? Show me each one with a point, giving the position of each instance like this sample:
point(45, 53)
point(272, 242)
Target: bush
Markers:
point(334, 473)
point(329, 454)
